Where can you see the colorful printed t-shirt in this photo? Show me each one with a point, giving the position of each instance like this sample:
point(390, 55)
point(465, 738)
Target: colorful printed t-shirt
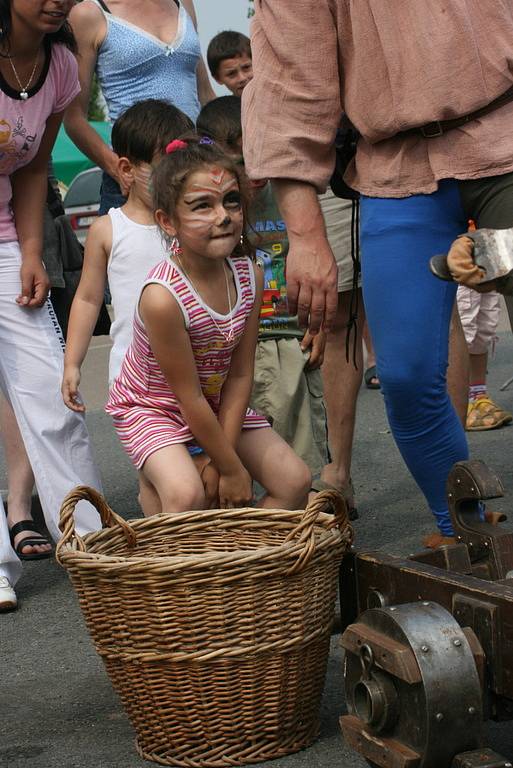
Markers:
point(23, 123)
point(268, 234)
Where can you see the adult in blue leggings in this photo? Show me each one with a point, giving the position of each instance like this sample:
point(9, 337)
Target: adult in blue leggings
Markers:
point(429, 88)
point(409, 314)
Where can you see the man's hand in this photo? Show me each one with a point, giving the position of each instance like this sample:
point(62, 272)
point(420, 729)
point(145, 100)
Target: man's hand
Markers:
point(312, 284)
point(315, 345)
point(35, 284)
point(311, 268)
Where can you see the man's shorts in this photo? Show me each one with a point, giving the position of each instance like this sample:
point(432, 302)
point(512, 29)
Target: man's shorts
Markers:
point(291, 397)
point(337, 217)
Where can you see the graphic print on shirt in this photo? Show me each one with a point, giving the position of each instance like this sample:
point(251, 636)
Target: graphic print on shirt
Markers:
point(268, 234)
point(15, 143)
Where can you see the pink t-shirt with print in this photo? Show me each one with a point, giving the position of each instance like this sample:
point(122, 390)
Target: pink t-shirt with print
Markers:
point(23, 123)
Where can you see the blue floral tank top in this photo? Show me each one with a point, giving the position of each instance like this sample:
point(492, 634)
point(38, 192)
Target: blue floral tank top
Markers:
point(134, 65)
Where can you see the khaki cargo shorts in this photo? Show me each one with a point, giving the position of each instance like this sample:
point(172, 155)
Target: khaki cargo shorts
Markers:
point(337, 217)
point(291, 397)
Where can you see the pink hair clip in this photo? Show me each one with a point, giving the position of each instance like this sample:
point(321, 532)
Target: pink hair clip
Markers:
point(175, 145)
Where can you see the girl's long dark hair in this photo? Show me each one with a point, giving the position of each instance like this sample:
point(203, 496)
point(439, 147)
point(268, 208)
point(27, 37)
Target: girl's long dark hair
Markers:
point(63, 35)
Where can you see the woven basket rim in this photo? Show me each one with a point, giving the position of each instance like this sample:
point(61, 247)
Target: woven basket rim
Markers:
point(203, 559)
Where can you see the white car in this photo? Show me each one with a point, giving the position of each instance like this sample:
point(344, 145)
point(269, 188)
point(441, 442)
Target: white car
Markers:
point(82, 201)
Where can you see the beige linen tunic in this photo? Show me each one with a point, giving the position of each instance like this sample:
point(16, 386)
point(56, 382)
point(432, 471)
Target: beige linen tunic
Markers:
point(390, 65)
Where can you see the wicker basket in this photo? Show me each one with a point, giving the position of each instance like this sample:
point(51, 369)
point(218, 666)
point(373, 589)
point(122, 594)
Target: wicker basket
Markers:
point(214, 626)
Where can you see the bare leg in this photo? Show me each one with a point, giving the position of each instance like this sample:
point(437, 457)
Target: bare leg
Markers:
point(342, 382)
point(148, 497)
point(20, 479)
point(478, 368)
point(172, 475)
point(370, 361)
point(273, 464)
point(458, 371)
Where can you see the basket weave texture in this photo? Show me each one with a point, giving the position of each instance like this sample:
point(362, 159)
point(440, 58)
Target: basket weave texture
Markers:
point(214, 626)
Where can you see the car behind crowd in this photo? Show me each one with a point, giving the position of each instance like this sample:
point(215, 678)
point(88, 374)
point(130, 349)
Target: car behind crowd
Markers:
point(82, 201)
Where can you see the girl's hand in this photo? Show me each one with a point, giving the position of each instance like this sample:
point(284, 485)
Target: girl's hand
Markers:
point(210, 479)
point(235, 490)
point(316, 345)
point(35, 284)
point(69, 389)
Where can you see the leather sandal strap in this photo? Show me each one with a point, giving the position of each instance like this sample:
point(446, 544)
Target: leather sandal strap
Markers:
point(23, 525)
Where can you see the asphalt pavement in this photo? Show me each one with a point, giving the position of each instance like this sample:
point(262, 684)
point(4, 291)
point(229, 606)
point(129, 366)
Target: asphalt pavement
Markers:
point(57, 707)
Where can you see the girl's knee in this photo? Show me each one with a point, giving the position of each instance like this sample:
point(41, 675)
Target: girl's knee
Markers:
point(183, 498)
point(297, 481)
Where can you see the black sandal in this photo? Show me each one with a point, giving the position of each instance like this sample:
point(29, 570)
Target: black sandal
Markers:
point(370, 374)
point(29, 541)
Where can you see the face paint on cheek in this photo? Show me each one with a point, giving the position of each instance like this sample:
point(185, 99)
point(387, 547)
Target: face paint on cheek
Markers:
point(196, 224)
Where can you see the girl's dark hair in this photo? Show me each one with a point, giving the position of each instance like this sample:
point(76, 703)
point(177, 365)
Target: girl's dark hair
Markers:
point(63, 35)
point(146, 128)
point(172, 171)
point(220, 120)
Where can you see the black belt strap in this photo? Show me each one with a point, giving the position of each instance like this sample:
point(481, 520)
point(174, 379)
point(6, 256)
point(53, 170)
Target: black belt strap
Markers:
point(439, 127)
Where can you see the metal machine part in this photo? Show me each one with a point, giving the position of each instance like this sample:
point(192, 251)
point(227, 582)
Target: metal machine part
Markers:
point(413, 690)
point(410, 708)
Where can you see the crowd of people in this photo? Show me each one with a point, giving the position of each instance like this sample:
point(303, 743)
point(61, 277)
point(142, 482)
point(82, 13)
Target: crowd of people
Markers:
point(220, 244)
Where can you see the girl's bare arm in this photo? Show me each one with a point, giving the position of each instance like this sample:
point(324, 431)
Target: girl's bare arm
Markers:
point(239, 383)
point(29, 190)
point(171, 346)
point(88, 25)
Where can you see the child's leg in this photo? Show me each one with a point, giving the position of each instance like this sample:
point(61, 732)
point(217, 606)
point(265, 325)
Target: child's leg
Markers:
point(273, 464)
point(172, 474)
point(148, 497)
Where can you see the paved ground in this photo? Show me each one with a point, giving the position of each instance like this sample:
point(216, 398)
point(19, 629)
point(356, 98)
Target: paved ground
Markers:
point(56, 704)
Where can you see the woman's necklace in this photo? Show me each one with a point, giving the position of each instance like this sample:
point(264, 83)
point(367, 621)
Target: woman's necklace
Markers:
point(23, 92)
point(230, 335)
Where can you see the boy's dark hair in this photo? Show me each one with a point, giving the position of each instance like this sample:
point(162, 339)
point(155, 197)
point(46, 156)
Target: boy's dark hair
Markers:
point(146, 128)
point(226, 45)
point(171, 173)
point(221, 121)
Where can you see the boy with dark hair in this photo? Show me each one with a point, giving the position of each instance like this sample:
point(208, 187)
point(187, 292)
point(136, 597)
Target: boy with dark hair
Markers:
point(124, 244)
point(229, 60)
point(143, 131)
point(288, 385)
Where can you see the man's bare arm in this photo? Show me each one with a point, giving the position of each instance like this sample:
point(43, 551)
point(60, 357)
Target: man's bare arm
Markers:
point(311, 268)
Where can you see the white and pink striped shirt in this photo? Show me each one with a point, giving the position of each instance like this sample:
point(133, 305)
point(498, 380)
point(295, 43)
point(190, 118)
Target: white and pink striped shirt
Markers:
point(145, 410)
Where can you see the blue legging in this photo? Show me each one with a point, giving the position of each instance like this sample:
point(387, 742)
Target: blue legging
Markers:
point(409, 313)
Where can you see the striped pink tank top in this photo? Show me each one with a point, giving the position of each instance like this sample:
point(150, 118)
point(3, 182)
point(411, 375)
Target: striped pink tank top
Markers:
point(141, 387)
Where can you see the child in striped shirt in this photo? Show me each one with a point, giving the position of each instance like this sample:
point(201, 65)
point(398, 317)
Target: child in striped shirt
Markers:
point(180, 402)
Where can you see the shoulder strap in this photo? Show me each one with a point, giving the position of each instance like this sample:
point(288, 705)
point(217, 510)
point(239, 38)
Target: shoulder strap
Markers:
point(103, 5)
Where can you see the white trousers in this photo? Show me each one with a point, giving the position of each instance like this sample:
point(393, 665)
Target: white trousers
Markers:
point(55, 438)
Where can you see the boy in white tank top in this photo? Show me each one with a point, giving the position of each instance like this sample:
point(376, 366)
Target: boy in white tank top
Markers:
point(124, 245)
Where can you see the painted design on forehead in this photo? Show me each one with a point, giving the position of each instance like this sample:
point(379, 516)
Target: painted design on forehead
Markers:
point(217, 175)
point(222, 187)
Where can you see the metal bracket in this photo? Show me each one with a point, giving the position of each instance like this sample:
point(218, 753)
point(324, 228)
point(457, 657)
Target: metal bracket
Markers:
point(490, 547)
point(481, 758)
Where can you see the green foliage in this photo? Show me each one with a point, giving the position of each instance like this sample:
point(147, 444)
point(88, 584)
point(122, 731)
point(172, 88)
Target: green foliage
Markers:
point(251, 9)
point(96, 109)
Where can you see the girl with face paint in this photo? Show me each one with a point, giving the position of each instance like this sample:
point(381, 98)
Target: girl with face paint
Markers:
point(180, 402)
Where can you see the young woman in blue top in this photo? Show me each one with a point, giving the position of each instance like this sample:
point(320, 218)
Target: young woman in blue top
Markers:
point(138, 51)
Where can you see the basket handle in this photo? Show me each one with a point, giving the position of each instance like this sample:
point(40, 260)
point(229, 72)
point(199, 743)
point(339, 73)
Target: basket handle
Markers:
point(109, 518)
point(327, 501)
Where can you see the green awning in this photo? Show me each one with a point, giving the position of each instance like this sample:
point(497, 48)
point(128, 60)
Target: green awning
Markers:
point(68, 160)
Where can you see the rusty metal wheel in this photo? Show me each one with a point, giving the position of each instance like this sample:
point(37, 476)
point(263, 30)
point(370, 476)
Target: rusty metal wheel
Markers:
point(413, 691)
